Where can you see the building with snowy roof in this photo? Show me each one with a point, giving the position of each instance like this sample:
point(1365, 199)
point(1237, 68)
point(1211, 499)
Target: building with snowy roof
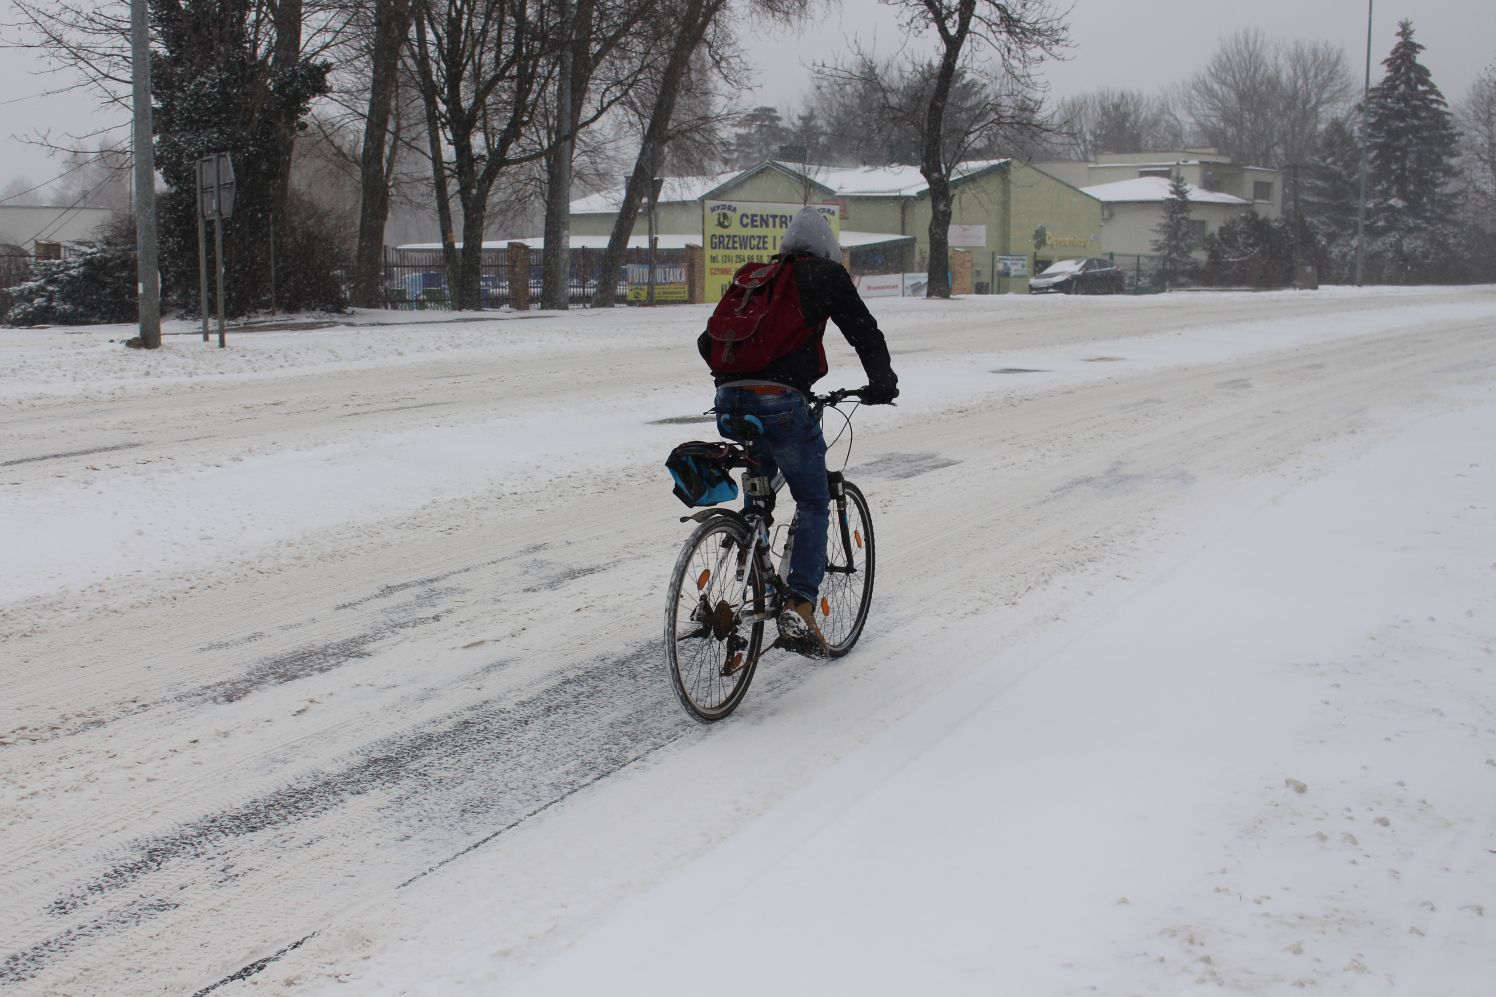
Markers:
point(1206, 169)
point(998, 207)
point(1133, 210)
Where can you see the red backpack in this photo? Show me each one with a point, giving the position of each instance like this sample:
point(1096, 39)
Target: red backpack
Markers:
point(759, 319)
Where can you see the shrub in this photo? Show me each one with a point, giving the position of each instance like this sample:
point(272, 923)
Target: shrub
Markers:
point(310, 258)
point(97, 283)
point(1253, 251)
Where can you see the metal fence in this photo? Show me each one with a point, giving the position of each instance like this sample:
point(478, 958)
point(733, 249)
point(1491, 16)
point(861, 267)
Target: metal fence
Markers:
point(15, 266)
point(416, 279)
point(1145, 274)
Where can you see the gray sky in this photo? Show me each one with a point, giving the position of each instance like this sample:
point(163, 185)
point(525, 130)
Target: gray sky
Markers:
point(1146, 44)
point(1140, 45)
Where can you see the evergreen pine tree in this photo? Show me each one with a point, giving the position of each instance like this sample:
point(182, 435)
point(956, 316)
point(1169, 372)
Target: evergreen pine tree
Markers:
point(1175, 240)
point(1331, 187)
point(1412, 143)
point(761, 133)
point(217, 91)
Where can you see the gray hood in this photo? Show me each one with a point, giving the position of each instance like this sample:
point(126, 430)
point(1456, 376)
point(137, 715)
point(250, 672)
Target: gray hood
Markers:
point(810, 232)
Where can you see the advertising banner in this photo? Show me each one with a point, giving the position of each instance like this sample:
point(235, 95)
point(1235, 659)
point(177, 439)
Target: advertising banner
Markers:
point(883, 285)
point(738, 232)
point(915, 284)
point(672, 293)
point(967, 236)
point(1012, 266)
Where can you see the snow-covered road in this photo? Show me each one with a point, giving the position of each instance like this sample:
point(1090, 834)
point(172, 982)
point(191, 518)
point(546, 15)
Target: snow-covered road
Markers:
point(333, 656)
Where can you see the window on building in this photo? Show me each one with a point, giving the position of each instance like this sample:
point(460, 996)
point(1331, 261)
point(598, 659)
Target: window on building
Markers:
point(1197, 233)
point(1262, 190)
point(48, 250)
point(1164, 172)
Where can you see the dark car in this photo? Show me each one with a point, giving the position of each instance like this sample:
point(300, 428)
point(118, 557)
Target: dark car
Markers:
point(1092, 276)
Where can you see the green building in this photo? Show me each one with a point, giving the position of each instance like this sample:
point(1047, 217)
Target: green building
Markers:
point(1002, 207)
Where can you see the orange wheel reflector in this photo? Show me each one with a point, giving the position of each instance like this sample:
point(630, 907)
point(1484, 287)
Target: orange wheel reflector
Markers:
point(825, 607)
point(705, 577)
point(735, 663)
point(857, 535)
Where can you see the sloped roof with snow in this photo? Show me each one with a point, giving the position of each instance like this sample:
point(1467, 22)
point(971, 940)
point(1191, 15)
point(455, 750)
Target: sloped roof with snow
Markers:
point(841, 181)
point(1155, 189)
point(883, 181)
point(673, 190)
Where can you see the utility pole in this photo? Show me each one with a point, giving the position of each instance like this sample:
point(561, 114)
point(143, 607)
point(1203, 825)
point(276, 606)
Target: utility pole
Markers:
point(560, 253)
point(147, 270)
point(1298, 265)
point(1365, 154)
point(655, 184)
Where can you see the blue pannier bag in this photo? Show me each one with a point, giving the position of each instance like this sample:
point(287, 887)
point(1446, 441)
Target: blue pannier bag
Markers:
point(703, 472)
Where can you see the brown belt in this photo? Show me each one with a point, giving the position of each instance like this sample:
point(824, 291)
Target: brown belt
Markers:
point(766, 389)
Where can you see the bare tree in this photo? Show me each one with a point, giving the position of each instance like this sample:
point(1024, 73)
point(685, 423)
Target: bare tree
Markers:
point(1112, 120)
point(101, 181)
point(483, 66)
point(1317, 86)
point(1234, 98)
point(880, 110)
point(688, 21)
point(88, 42)
point(390, 29)
point(599, 67)
point(698, 143)
point(1264, 100)
point(1017, 36)
point(1476, 115)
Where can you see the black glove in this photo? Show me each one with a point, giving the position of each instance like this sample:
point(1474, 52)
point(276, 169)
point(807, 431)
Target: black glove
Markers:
point(878, 394)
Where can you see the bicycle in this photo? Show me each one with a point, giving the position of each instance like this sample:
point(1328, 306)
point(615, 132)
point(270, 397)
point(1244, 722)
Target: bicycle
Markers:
point(730, 579)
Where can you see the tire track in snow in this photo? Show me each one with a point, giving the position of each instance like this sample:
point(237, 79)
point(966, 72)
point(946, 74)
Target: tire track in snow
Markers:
point(496, 762)
point(71, 453)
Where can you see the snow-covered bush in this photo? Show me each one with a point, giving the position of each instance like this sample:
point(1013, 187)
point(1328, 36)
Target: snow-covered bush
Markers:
point(96, 283)
point(1253, 251)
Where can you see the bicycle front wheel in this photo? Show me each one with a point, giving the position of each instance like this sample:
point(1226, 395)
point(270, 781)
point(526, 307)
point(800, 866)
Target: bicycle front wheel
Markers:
point(847, 589)
point(714, 619)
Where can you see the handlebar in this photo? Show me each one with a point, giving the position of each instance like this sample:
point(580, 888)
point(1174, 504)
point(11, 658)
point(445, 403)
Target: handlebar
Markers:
point(835, 398)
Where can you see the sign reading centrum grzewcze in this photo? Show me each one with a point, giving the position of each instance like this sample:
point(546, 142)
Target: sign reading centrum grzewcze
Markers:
point(738, 232)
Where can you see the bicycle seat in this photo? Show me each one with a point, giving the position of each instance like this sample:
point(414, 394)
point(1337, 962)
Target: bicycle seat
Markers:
point(739, 427)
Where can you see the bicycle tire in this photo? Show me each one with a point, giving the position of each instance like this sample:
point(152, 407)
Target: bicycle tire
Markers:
point(847, 588)
point(702, 631)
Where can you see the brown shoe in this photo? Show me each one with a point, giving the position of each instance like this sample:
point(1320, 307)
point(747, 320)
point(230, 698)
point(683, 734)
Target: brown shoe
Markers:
point(798, 631)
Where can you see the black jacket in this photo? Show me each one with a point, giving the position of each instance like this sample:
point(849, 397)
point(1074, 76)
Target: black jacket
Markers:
point(826, 291)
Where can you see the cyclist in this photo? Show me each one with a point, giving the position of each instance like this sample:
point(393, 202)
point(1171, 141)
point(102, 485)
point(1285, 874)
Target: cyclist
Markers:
point(790, 439)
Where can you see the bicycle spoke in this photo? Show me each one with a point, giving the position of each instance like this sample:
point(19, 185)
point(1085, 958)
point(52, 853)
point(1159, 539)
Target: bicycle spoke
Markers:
point(710, 648)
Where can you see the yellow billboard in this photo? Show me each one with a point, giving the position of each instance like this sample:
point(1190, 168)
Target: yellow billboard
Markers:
point(673, 293)
point(739, 232)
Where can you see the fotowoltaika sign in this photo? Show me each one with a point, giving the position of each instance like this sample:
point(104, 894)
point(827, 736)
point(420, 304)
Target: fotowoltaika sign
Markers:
point(738, 232)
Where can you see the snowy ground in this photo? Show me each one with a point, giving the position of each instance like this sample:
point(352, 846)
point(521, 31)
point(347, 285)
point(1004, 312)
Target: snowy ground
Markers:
point(331, 663)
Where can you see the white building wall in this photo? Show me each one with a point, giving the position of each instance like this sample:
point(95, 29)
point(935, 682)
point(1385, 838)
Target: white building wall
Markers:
point(25, 224)
point(1130, 229)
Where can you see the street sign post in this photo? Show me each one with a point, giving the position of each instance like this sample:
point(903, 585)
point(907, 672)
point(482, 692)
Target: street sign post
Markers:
point(215, 202)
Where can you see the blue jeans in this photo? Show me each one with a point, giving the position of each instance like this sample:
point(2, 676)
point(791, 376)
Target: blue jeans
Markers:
point(791, 443)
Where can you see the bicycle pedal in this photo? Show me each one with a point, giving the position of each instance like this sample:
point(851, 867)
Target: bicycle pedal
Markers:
point(807, 647)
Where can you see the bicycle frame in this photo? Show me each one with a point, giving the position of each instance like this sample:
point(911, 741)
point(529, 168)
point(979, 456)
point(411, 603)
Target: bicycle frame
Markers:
point(758, 518)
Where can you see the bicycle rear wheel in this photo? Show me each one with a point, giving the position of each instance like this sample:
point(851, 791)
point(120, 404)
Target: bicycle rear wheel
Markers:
point(847, 589)
point(710, 651)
